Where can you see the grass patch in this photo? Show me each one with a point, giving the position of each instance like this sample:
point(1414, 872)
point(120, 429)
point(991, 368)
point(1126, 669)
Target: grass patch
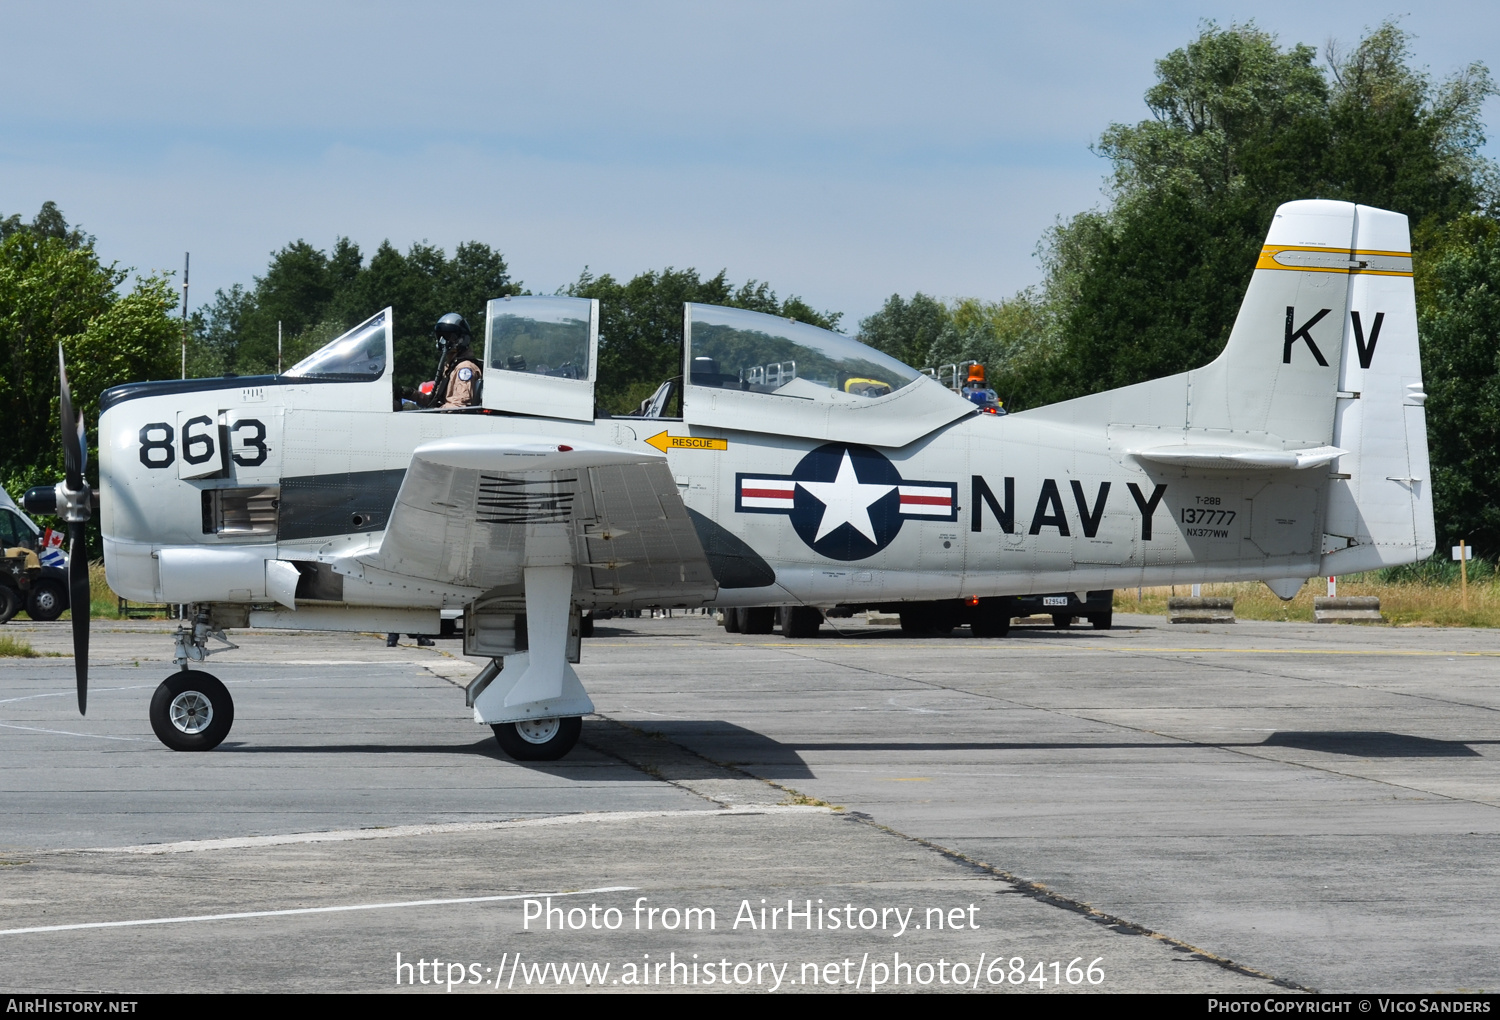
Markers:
point(16, 649)
point(796, 798)
point(104, 603)
point(1407, 598)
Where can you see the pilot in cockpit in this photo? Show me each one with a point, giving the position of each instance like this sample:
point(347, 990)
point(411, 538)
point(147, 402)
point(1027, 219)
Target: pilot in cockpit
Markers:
point(459, 371)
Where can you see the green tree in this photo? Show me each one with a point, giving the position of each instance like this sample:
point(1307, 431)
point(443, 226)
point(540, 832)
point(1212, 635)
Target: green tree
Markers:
point(906, 330)
point(1461, 369)
point(54, 290)
point(313, 296)
point(1240, 125)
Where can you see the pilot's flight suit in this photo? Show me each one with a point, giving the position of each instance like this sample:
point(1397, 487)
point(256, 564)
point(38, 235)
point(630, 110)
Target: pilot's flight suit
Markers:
point(463, 383)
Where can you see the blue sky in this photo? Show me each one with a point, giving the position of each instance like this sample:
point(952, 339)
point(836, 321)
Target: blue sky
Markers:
point(842, 151)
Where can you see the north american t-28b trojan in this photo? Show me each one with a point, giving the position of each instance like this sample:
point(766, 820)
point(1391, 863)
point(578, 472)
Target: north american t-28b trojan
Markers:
point(805, 471)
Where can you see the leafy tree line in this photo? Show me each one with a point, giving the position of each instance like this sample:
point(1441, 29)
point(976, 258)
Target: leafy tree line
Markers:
point(312, 296)
point(1151, 284)
point(54, 290)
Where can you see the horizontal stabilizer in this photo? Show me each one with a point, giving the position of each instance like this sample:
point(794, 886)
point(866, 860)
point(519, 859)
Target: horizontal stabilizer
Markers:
point(1239, 458)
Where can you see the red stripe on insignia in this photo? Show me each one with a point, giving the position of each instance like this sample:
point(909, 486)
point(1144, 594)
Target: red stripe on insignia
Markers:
point(929, 500)
point(769, 493)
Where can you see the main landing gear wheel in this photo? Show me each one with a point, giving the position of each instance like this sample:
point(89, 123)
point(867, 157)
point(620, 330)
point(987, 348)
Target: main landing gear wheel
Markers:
point(1062, 621)
point(538, 739)
point(191, 711)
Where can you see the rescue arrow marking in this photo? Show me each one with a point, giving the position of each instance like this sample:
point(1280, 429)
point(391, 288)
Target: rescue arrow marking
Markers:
point(664, 442)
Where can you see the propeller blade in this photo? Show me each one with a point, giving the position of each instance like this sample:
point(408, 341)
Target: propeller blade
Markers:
point(78, 596)
point(75, 451)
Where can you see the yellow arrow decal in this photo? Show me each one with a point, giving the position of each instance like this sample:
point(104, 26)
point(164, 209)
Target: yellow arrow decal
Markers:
point(664, 442)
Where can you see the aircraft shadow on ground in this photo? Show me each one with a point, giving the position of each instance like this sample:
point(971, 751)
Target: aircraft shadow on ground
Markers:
point(485, 747)
point(1373, 744)
point(714, 744)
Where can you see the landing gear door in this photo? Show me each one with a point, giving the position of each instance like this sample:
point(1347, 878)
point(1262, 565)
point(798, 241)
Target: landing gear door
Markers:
point(541, 356)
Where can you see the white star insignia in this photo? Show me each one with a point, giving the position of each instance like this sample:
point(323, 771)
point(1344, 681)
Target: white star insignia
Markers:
point(846, 500)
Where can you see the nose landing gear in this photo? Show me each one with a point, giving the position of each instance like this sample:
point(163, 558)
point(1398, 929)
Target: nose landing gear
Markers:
point(192, 711)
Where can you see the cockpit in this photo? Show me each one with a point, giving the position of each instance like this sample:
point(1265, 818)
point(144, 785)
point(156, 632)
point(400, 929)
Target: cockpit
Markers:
point(742, 369)
point(756, 353)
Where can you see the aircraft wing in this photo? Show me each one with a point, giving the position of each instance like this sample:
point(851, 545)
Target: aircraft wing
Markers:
point(474, 511)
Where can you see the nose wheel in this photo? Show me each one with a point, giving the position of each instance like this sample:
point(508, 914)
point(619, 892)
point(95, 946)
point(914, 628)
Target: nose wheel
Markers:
point(538, 739)
point(192, 711)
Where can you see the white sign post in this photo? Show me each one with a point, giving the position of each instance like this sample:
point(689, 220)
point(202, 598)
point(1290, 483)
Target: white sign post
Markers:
point(1463, 554)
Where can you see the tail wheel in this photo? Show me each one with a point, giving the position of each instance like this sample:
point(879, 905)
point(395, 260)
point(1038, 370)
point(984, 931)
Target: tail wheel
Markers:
point(1103, 621)
point(192, 711)
point(538, 739)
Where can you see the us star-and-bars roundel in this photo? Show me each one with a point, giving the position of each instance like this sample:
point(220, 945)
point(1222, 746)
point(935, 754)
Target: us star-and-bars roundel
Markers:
point(846, 502)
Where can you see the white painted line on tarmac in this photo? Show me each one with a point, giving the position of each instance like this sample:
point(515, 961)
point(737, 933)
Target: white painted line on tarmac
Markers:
point(69, 694)
point(64, 733)
point(308, 910)
point(397, 831)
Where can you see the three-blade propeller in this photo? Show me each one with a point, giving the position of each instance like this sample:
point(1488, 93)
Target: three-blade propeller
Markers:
point(72, 500)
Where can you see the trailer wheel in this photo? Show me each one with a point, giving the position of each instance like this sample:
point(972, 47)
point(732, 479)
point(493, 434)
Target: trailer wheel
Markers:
point(800, 621)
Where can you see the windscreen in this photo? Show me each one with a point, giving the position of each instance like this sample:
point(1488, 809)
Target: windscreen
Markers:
point(540, 336)
point(357, 356)
point(757, 353)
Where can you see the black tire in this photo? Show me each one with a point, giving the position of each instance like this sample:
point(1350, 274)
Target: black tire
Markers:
point(555, 741)
point(1103, 621)
point(924, 621)
point(990, 626)
point(800, 621)
point(10, 602)
point(585, 626)
point(731, 621)
point(1062, 621)
point(180, 729)
point(47, 600)
point(757, 619)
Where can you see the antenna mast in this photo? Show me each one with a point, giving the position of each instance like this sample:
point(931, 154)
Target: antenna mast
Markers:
point(185, 256)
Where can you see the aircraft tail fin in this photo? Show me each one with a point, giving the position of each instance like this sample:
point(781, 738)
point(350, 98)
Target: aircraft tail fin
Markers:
point(1322, 373)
